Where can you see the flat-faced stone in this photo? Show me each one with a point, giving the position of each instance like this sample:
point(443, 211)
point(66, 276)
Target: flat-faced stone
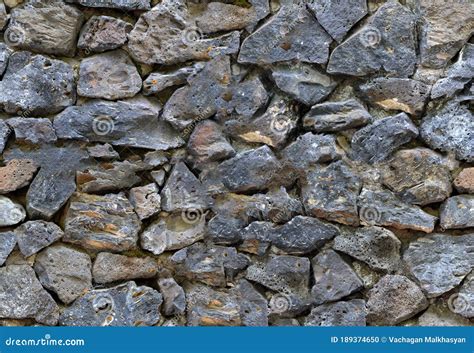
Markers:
point(349, 313)
point(253, 305)
point(102, 33)
point(145, 200)
point(225, 230)
point(4, 54)
point(124, 305)
point(158, 81)
point(104, 151)
point(127, 5)
point(462, 303)
point(174, 297)
point(256, 238)
point(457, 212)
point(5, 132)
point(33, 236)
point(464, 182)
point(16, 174)
point(65, 271)
point(7, 243)
point(33, 130)
point(11, 213)
point(101, 222)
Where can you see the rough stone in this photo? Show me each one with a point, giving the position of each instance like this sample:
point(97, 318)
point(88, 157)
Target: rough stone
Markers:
point(462, 303)
point(157, 81)
point(33, 236)
point(155, 158)
point(256, 238)
point(253, 305)
point(438, 315)
point(102, 33)
point(464, 182)
point(104, 151)
point(7, 243)
point(145, 200)
point(3, 21)
point(11, 213)
point(225, 230)
point(349, 313)
point(126, 5)
point(5, 132)
point(4, 54)
point(457, 212)
point(33, 130)
point(174, 297)
point(16, 174)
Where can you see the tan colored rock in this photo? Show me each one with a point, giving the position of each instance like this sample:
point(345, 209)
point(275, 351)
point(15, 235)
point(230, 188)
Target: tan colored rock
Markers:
point(16, 174)
point(464, 182)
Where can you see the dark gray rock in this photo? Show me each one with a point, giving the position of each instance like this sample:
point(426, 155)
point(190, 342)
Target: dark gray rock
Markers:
point(5, 132)
point(145, 200)
point(336, 116)
point(127, 5)
point(378, 247)
point(256, 238)
point(16, 175)
point(350, 313)
point(33, 130)
point(462, 303)
point(33, 236)
point(23, 297)
point(104, 151)
point(36, 85)
point(65, 271)
point(275, 206)
point(440, 261)
point(157, 81)
point(7, 243)
point(174, 298)
point(331, 193)
point(102, 33)
point(124, 305)
point(130, 123)
point(47, 27)
point(377, 141)
point(101, 222)
point(11, 213)
point(155, 158)
point(4, 55)
point(394, 299)
point(334, 279)
point(225, 230)
point(385, 43)
point(253, 305)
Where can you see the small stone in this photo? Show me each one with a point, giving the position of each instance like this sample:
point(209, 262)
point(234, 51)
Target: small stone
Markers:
point(303, 82)
point(377, 141)
point(102, 223)
point(4, 134)
point(174, 298)
point(336, 116)
point(7, 243)
point(11, 213)
point(440, 261)
point(145, 200)
point(124, 305)
point(394, 299)
point(126, 5)
point(350, 313)
point(46, 27)
point(462, 303)
point(256, 238)
point(334, 279)
point(33, 236)
point(23, 297)
point(253, 305)
point(110, 75)
point(104, 151)
point(377, 247)
point(157, 81)
point(158, 176)
point(4, 52)
point(331, 193)
point(275, 206)
point(3, 21)
point(464, 182)
point(225, 230)
point(102, 33)
point(51, 91)
point(65, 271)
point(155, 158)
point(33, 130)
point(457, 212)
point(113, 267)
point(407, 95)
point(16, 174)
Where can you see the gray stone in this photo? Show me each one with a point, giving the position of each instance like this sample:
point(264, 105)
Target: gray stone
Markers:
point(377, 141)
point(33, 236)
point(5, 132)
point(349, 313)
point(440, 261)
point(126, 5)
point(104, 151)
point(407, 95)
point(11, 213)
point(225, 230)
point(33, 130)
point(331, 193)
point(3, 21)
point(47, 27)
point(110, 75)
point(4, 54)
point(292, 33)
point(439, 315)
point(334, 279)
point(464, 182)
point(450, 130)
point(256, 238)
point(158, 177)
point(101, 222)
point(385, 43)
point(124, 305)
point(303, 82)
point(174, 298)
point(113, 267)
point(16, 175)
point(23, 297)
point(36, 85)
point(129, 123)
point(462, 303)
point(394, 299)
point(253, 305)
point(383, 208)
point(336, 116)
point(157, 81)
point(377, 247)
point(145, 200)
point(338, 17)
point(155, 158)
point(7, 243)
point(102, 33)
point(65, 271)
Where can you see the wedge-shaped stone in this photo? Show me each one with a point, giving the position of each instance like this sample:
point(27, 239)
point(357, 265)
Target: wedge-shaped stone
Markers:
point(16, 175)
point(457, 212)
point(33, 236)
point(11, 213)
point(174, 298)
point(350, 313)
point(7, 243)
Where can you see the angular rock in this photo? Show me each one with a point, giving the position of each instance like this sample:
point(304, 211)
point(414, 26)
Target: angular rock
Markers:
point(4, 54)
point(110, 75)
point(377, 247)
point(104, 151)
point(253, 305)
point(334, 279)
point(407, 95)
point(130, 123)
point(113, 267)
point(23, 297)
point(7, 243)
point(36, 85)
point(11, 213)
point(155, 158)
point(3, 21)
point(174, 298)
point(225, 230)
point(4, 134)
point(47, 27)
point(440, 261)
point(126, 5)
point(256, 238)
point(33, 236)
point(303, 83)
point(145, 200)
point(350, 313)
point(462, 304)
point(16, 174)
point(157, 82)
point(331, 193)
point(464, 182)
point(336, 116)
point(394, 299)
point(338, 17)
point(33, 130)
point(158, 177)
point(102, 33)
point(457, 212)
point(292, 33)
point(385, 43)
point(383, 208)
point(65, 271)
point(377, 141)
point(101, 222)
point(124, 305)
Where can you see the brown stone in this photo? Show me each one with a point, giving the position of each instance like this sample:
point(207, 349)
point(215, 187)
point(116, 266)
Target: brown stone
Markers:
point(464, 182)
point(16, 174)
